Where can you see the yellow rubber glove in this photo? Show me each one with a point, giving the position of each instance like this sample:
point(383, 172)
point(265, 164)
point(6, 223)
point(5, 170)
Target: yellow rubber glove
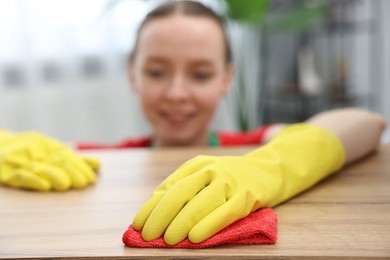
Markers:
point(208, 193)
point(33, 161)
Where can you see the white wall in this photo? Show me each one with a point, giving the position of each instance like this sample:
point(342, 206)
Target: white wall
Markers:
point(68, 34)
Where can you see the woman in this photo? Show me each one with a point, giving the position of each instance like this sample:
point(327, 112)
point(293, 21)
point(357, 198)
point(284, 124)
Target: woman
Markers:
point(181, 68)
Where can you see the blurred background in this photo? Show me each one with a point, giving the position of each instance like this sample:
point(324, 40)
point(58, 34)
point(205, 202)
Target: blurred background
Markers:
point(63, 63)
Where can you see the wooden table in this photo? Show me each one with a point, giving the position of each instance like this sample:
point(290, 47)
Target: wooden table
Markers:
point(347, 215)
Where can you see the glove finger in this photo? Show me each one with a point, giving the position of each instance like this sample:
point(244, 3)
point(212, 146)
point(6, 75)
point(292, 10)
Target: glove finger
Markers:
point(25, 179)
point(92, 162)
point(56, 176)
point(77, 176)
point(144, 213)
point(217, 220)
point(183, 171)
point(15, 161)
point(84, 169)
point(196, 209)
point(172, 202)
point(79, 173)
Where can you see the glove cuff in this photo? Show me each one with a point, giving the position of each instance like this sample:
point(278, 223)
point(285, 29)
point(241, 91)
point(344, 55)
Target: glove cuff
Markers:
point(303, 154)
point(327, 141)
point(334, 144)
point(301, 134)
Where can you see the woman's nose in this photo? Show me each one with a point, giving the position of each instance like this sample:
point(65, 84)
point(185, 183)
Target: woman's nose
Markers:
point(178, 91)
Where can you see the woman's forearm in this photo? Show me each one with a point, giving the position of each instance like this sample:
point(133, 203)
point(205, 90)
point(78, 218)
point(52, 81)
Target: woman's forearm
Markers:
point(358, 130)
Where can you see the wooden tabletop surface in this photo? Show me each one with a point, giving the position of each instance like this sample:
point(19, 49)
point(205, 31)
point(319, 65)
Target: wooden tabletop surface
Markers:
point(345, 216)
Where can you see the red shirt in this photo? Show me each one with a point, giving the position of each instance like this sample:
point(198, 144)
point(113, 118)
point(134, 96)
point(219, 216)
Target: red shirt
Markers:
point(222, 138)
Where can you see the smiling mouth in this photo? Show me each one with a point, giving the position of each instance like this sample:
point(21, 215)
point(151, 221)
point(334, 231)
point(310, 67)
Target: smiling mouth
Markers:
point(177, 119)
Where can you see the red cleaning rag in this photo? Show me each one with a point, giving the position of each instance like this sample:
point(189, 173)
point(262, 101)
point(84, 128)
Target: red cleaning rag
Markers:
point(259, 227)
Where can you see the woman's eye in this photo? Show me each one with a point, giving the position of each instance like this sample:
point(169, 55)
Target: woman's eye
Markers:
point(201, 75)
point(155, 73)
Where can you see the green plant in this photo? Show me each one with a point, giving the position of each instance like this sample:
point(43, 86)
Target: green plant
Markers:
point(297, 18)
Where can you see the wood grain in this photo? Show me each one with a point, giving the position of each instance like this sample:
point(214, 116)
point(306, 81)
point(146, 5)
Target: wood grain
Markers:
point(345, 216)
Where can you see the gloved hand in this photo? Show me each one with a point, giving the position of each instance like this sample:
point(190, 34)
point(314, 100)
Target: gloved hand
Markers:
point(34, 161)
point(208, 193)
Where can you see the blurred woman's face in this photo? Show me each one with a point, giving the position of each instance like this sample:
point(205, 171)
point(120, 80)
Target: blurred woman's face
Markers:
point(180, 74)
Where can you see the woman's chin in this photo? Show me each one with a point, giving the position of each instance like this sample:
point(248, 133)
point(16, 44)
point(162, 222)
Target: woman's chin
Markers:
point(179, 139)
